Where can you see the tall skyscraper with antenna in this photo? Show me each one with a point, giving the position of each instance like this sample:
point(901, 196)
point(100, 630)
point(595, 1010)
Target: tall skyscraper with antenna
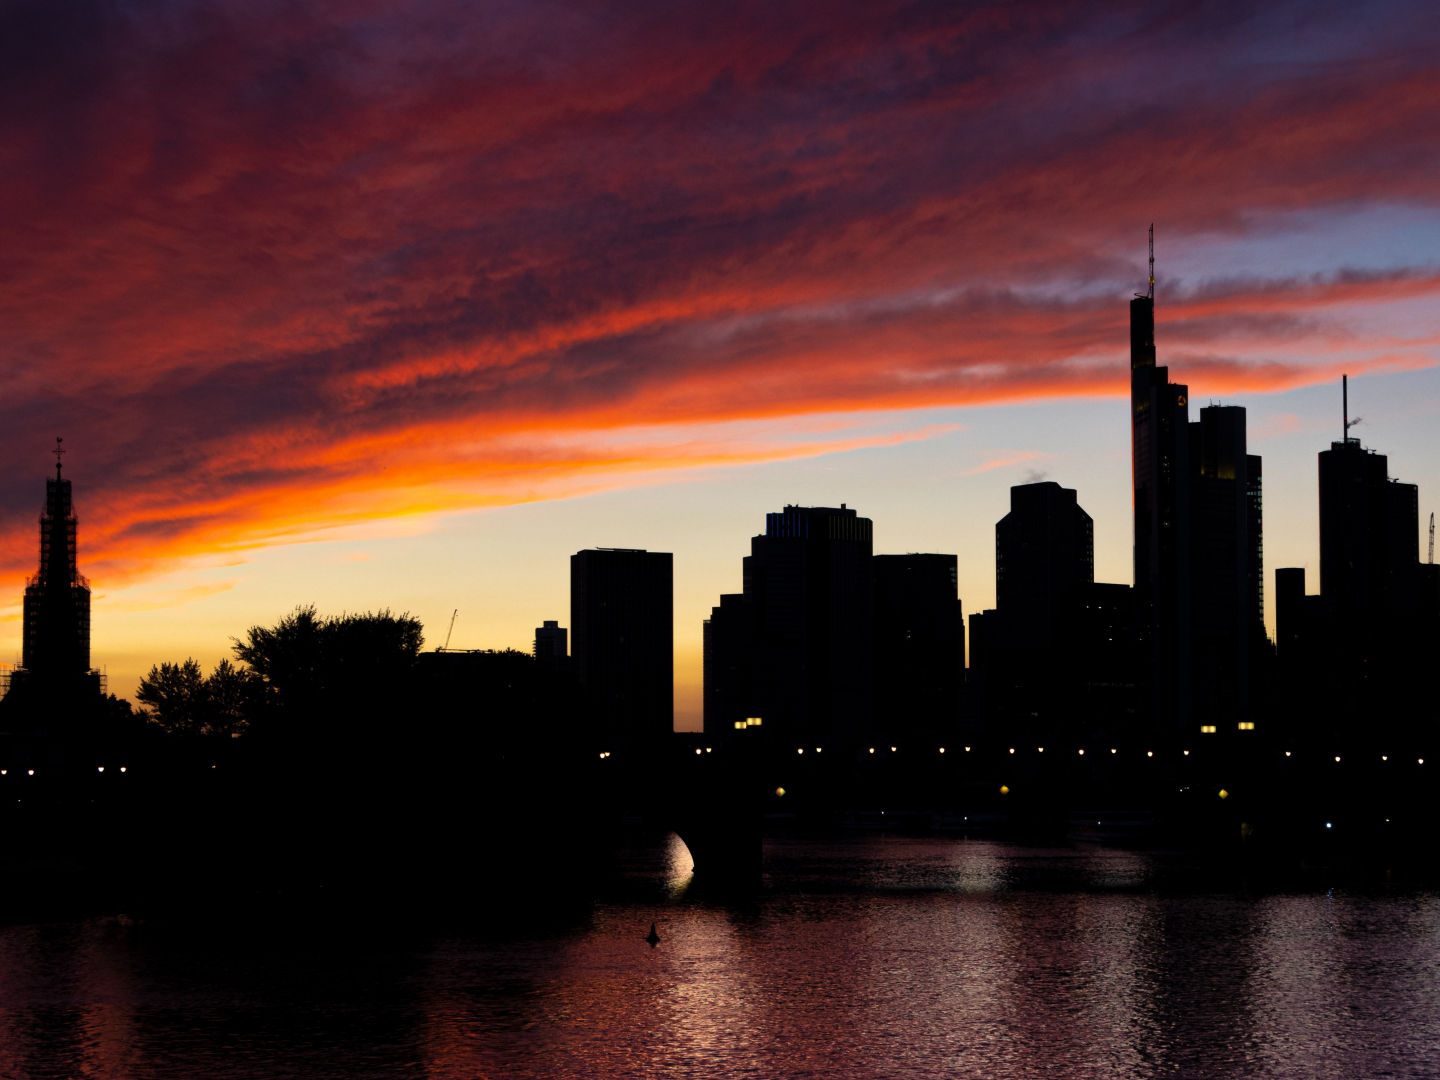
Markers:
point(1369, 539)
point(1199, 576)
point(1160, 464)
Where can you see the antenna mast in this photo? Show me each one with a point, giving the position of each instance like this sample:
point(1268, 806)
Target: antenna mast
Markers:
point(1152, 264)
point(1432, 537)
point(1345, 404)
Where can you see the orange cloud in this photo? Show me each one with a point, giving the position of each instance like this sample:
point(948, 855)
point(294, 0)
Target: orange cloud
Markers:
point(274, 272)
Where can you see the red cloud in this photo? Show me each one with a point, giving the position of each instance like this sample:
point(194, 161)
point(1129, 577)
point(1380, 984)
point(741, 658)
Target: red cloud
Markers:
point(258, 264)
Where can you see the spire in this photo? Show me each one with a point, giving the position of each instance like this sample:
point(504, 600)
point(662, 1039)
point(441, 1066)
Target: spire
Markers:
point(1152, 263)
point(1142, 319)
point(58, 452)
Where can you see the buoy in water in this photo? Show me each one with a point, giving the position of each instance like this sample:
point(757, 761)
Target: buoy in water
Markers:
point(653, 938)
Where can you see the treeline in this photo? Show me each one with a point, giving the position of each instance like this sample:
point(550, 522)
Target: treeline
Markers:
point(328, 756)
point(358, 685)
point(307, 677)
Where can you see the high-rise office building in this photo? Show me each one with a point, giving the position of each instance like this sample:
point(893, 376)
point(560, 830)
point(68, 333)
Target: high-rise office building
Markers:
point(1355, 661)
point(1044, 549)
point(1369, 538)
point(728, 668)
point(1199, 575)
point(919, 640)
point(1227, 637)
point(622, 622)
point(1289, 615)
point(1160, 455)
point(1370, 655)
point(1058, 649)
point(808, 583)
point(1096, 664)
point(552, 644)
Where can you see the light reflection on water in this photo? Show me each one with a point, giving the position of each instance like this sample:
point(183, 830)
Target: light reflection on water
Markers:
point(864, 957)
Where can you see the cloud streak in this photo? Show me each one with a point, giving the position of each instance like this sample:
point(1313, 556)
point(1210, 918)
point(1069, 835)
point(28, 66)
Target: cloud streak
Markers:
point(273, 270)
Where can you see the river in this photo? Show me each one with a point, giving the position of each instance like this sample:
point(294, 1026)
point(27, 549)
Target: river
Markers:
point(863, 956)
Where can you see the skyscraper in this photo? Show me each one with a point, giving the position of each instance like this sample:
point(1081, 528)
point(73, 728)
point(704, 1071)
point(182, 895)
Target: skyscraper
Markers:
point(729, 677)
point(1227, 584)
point(1044, 549)
point(1369, 538)
point(1370, 580)
point(1199, 575)
point(919, 644)
point(1160, 454)
point(622, 622)
point(808, 584)
point(1058, 659)
point(552, 644)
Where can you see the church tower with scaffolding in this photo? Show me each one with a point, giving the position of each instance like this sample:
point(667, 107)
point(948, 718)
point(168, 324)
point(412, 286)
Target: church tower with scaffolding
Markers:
point(55, 663)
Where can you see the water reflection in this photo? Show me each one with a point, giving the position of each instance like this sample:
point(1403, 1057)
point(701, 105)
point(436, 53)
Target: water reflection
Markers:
point(864, 957)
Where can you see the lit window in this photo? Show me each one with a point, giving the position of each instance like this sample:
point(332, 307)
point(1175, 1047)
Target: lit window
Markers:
point(1207, 729)
point(739, 725)
point(872, 749)
point(1247, 725)
point(1012, 749)
point(752, 721)
point(1041, 749)
point(1082, 751)
point(942, 749)
point(697, 751)
point(1149, 753)
point(800, 751)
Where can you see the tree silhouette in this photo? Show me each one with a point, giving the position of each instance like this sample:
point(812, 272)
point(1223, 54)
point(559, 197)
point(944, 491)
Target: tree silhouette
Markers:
point(176, 694)
point(185, 702)
point(329, 678)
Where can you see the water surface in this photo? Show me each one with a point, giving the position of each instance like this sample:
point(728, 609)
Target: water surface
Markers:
point(864, 956)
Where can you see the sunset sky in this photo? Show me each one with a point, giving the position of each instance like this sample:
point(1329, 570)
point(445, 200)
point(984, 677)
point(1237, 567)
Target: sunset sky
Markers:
point(372, 305)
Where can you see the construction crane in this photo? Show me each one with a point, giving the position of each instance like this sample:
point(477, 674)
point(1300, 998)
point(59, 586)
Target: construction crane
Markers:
point(1432, 537)
point(446, 646)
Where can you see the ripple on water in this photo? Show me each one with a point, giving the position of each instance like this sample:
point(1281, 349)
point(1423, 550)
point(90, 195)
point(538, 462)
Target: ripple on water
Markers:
point(863, 957)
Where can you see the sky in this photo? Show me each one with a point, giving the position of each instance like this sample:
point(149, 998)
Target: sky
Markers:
point(375, 305)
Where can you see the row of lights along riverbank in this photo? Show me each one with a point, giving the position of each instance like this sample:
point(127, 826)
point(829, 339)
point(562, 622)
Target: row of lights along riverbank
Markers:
point(895, 750)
